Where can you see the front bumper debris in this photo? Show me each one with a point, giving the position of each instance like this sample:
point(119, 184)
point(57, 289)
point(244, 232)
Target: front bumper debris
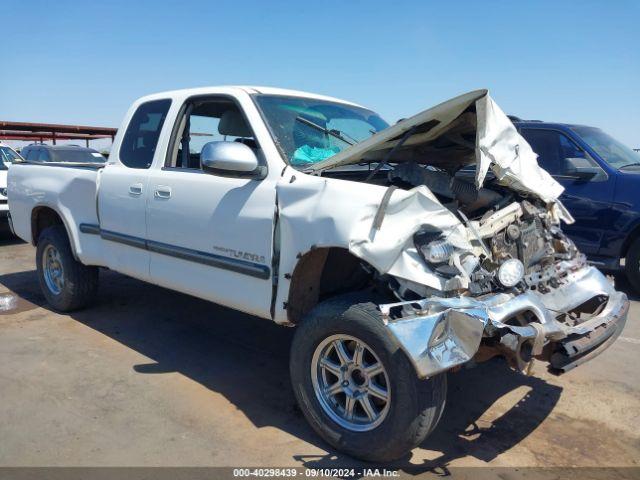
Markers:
point(440, 333)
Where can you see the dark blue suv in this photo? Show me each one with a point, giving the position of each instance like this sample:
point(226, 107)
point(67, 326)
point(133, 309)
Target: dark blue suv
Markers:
point(601, 177)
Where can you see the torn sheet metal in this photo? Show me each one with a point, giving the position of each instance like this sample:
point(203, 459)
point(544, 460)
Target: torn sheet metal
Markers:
point(326, 212)
point(498, 145)
point(440, 333)
point(390, 247)
point(316, 211)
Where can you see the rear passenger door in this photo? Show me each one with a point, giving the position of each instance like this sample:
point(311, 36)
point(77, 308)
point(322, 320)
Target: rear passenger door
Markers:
point(122, 191)
point(588, 201)
point(211, 235)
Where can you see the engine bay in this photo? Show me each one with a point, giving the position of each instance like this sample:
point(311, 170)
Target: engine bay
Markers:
point(517, 243)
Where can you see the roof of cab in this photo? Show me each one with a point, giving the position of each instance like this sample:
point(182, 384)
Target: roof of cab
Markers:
point(250, 89)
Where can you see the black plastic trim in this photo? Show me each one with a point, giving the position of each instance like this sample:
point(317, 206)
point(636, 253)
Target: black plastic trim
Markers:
point(218, 261)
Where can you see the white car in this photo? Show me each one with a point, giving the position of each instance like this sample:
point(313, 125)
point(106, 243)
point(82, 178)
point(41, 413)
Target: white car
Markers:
point(7, 156)
point(395, 262)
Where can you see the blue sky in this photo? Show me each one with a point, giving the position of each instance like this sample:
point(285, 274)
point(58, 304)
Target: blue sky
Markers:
point(85, 62)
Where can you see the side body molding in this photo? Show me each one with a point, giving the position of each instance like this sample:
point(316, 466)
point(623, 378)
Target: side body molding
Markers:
point(218, 261)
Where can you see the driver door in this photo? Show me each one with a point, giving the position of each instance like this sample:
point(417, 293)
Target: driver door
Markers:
point(211, 235)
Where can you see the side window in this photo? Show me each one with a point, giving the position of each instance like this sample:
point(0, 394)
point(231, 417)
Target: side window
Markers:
point(32, 154)
point(204, 121)
point(43, 156)
point(141, 138)
point(556, 152)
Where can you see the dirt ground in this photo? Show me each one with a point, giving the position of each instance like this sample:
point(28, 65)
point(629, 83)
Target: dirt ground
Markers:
point(149, 377)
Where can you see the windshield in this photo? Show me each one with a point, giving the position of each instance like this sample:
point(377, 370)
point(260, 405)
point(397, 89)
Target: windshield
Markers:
point(7, 155)
point(309, 131)
point(77, 156)
point(612, 151)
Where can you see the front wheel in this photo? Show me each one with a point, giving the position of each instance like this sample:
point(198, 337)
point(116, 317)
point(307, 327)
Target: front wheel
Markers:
point(355, 385)
point(632, 265)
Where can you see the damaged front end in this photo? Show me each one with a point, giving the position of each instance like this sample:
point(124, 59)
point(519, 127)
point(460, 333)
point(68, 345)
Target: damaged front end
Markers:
point(564, 325)
point(480, 266)
point(519, 289)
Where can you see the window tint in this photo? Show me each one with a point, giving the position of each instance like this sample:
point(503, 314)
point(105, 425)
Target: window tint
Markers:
point(211, 120)
point(554, 150)
point(141, 138)
point(77, 155)
point(43, 155)
point(33, 154)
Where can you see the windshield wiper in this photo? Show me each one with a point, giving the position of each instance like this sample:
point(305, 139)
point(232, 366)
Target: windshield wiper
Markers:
point(634, 164)
point(333, 132)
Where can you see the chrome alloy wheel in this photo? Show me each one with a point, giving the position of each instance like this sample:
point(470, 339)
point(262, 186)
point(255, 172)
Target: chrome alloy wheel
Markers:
point(350, 383)
point(52, 269)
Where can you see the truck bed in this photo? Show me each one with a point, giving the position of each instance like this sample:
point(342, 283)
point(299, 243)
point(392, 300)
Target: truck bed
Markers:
point(70, 189)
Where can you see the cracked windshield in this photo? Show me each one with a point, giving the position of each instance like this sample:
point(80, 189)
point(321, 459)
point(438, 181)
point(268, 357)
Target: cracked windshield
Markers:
point(308, 131)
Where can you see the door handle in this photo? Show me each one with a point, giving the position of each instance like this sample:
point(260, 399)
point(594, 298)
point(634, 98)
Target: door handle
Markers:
point(162, 192)
point(135, 189)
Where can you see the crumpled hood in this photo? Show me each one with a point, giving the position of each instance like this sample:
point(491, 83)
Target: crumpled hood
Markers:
point(442, 136)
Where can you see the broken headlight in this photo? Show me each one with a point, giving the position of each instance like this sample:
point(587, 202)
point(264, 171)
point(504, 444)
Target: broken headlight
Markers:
point(438, 251)
point(431, 244)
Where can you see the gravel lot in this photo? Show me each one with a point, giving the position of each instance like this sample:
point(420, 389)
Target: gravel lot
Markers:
point(150, 377)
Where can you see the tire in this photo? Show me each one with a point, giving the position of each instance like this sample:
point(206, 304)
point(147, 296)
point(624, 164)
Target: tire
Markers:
point(414, 406)
point(632, 265)
point(66, 283)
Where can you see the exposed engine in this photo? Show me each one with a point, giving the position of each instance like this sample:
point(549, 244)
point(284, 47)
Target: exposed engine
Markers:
point(516, 242)
point(449, 188)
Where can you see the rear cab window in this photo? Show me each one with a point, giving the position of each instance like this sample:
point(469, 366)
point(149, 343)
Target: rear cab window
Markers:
point(141, 138)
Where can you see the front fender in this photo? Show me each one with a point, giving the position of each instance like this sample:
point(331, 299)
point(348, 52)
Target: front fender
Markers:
point(315, 212)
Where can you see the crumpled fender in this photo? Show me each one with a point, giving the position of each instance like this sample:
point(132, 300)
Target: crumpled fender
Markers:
point(318, 212)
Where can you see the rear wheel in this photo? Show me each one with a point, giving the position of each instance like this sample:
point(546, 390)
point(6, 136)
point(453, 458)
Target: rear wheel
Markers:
point(356, 387)
point(66, 283)
point(632, 264)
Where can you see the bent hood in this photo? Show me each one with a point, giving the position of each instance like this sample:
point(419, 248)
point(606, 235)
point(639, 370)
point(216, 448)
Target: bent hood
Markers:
point(466, 130)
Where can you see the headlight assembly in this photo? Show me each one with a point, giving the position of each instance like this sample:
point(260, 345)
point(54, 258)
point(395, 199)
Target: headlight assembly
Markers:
point(431, 244)
point(511, 272)
point(438, 251)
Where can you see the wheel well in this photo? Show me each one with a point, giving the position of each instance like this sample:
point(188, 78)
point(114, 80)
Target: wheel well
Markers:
point(41, 218)
point(635, 233)
point(322, 273)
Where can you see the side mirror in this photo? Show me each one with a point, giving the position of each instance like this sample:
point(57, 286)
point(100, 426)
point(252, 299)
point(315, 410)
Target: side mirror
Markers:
point(230, 158)
point(581, 169)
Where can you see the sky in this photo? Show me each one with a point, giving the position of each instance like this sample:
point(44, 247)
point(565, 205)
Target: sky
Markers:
point(565, 61)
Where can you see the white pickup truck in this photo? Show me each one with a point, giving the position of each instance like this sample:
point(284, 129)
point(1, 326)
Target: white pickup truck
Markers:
point(399, 252)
